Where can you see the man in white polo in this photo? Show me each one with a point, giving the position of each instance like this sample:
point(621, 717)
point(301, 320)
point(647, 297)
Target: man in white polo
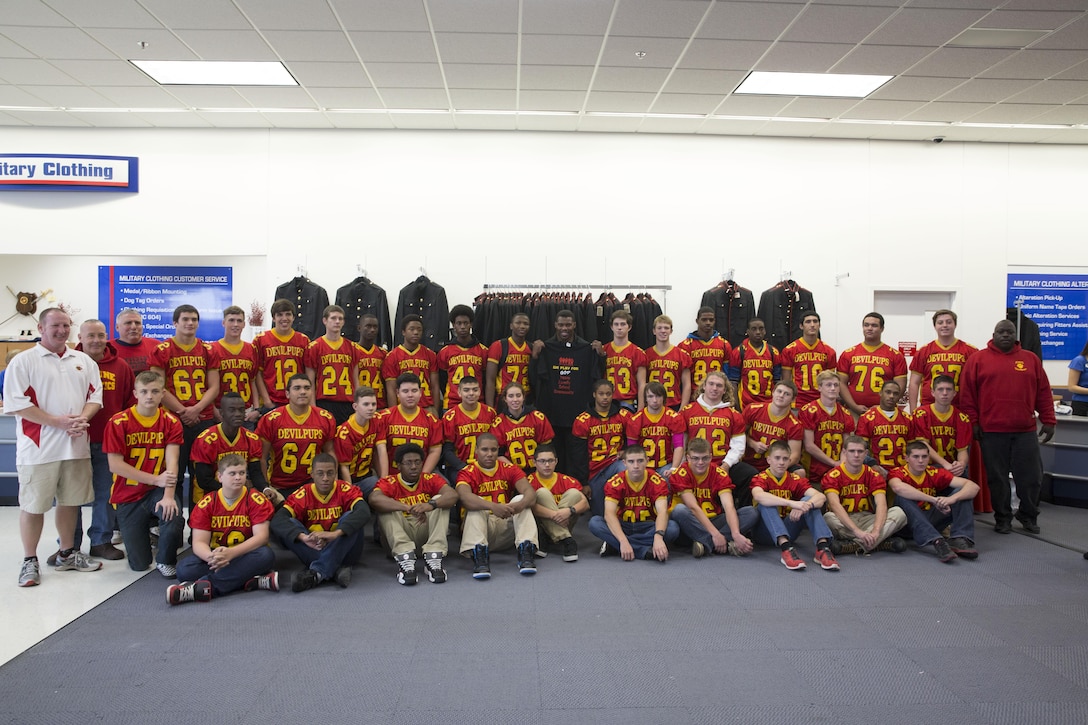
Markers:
point(53, 392)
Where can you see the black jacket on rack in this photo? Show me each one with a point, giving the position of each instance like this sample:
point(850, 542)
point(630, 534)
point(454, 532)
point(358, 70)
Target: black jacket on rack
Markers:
point(734, 306)
point(310, 301)
point(782, 308)
point(428, 300)
point(1030, 338)
point(359, 297)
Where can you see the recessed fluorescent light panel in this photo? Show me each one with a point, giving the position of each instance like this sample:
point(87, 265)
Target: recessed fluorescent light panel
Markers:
point(216, 73)
point(835, 85)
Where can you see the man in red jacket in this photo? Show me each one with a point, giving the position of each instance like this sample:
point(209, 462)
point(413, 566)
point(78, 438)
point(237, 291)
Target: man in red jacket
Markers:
point(1001, 389)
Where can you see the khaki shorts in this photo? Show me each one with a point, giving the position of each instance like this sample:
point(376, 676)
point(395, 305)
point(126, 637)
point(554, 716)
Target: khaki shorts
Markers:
point(69, 482)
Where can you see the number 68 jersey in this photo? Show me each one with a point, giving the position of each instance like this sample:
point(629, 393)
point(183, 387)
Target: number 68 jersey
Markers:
point(230, 525)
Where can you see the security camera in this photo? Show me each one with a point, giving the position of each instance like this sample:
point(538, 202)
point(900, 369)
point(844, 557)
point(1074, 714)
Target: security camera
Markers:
point(938, 139)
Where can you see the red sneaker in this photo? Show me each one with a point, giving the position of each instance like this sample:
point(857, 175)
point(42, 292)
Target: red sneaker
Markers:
point(826, 560)
point(791, 561)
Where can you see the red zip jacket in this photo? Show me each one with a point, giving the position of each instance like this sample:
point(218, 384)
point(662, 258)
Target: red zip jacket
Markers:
point(118, 382)
point(1002, 391)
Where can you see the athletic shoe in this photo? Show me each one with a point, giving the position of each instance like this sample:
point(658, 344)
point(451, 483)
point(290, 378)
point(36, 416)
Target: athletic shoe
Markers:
point(407, 563)
point(433, 562)
point(963, 548)
point(609, 550)
point(791, 561)
point(1003, 527)
point(482, 562)
point(198, 591)
point(570, 549)
point(944, 551)
point(306, 579)
point(116, 538)
point(698, 550)
point(77, 561)
point(51, 560)
point(343, 577)
point(826, 560)
point(107, 551)
point(894, 544)
point(269, 582)
point(167, 570)
point(526, 558)
point(1029, 525)
point(30, 575)
point(732, 550)
point(838, 546)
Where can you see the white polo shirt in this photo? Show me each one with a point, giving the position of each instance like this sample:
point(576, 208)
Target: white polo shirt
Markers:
point(59, 385)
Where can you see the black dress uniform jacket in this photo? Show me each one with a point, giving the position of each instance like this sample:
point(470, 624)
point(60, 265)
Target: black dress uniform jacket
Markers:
point(310, 301)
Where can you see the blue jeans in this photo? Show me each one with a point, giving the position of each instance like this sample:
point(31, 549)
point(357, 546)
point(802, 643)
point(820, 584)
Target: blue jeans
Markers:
point(344, 551)
point(640, 535)
point(134, 520)
point(772, 526)
point(596, 485)
point(691, 528)
point(230, 578)
point(926, 525)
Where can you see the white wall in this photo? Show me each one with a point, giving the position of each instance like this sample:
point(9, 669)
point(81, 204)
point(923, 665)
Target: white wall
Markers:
point(846, 217)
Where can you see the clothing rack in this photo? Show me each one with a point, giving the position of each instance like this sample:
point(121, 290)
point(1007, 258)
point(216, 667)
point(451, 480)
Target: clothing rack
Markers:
point(516, 287)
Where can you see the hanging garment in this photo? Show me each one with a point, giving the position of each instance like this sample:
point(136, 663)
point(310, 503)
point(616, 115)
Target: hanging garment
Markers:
point(782, 308)
point(428, 300)
point(733, 307)
point(310, 301)
point(360, 297)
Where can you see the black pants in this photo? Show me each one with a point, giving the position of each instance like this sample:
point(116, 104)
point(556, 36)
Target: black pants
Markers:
point(1018, 454)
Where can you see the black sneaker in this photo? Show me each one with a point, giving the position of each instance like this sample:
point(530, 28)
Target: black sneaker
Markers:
point(269, 582)
point(435, 572)
point(963, 547)
point(1003, 527)
point(944, 551)
point(526, 558)
point(609, 550)
point(407, 562)
point(1029, 525)
point(304, 580)
point(198, 591)
point(343, 577)
point(894, 544)
point(481, 562)
point(838, 546)
point(570, 549)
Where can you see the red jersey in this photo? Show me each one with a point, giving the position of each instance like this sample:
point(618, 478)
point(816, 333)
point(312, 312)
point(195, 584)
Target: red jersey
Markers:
point(395, 428)
point(828, 431)
point(422, 361)
point(497, 485)
point(717, 427)
point(230, 525)
point(754, 371)
point(933, 359)
point(295, 441)
point(186, 370)
point(887, 436)
point(707, 490)
point(333, 364)
point(355, 446)
point(660, 435)
point(636, 501)
point(668, 369)
point(462, 362)
point(947, 434)
point(279, 358)
point(806, 363)
point(322, 514)
point(706, 356)
point(142, 441)
point(118, 382)
point(137, 356)
point(855, 492)
point(514, 366)
point(930, 482)
point(212, 444)
point(762, 425)
point(518, 438)
point(866, 368)
point(428, 486)
point(461, 428)
point(604, 436)
point(370, 362)
point(237, 369)
point(558, 484)
point(621, 366)
point(791, 486)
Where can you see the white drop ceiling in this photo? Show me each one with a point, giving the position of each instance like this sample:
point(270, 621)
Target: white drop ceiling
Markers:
point(627, 66)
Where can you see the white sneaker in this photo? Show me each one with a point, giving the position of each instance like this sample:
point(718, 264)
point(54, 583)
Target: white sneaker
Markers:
point(77, 561)
point(168, 570)
point(30, 575)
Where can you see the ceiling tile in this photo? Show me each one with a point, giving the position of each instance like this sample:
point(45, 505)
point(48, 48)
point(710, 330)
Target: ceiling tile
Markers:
point(1045, 5)
point(264, 97)
point(161, 44)
point(562, 17)
point(818, 107)
point(19, 71)
point(882, 110)
point(113, 14)
point(658, 18)
point(141, 97)
point(9, 120)
point(1035, 64)
point(227, 44)
point(318, 45)
point(1026, 20)
point(836, 24)
point(556, 77)
point(1070, 37)
point(629, 79)
point(428, 121)
point(209, 97)
point(551, 100)
point(383, 15)
point(722, 54)
point(360, 120)
point(405, 75)
point(1065, 114)
point(474, 75)
point(346, 97)
point(175, 120)
point(560, 49)
point(482, 99)
point(298, 120)
point(55, 43)
point(660, 52)
point(748, 21)
point(880, 59)
point(329, 74)
point(415, 98)
point(794, 129)
point(1008, 113)
point(485, 122)
point(1052, 92)
point(395, 47)
point(198, 14)
point(112, 120)
point(293, 15)
point(30, 12)
point(686, 80)
point(949, 112)
point(685, 103)
point(477, 47)
point(986, 91)
point(105, 72)
point(752, 105)
point(670, 125)
point(235, 120)
point(10, 49)
point(731, 128)
point(803, 57)
point(924, 26)
point(914, 88)
point(48, 118)
point(70, 96)
point(960, 62)
point(619, 102)
point(1076, 73)
point(609, 124)
point(478, 16)
point(548, 123)
point(26, 95)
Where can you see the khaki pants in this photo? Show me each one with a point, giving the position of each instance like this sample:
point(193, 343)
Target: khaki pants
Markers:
point(570, 497)
point(864, 520)
point(483, 527)
point(404, 534)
